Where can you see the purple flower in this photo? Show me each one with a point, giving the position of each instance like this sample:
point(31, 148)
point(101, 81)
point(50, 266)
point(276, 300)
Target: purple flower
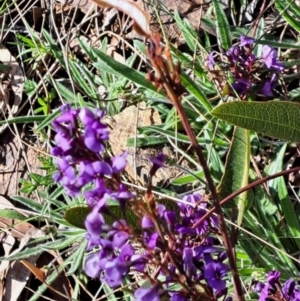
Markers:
point(67, 120)
point(92, 265)
point(147, 222)
point(259, 287)
point(188, 263)
point(288, 288)
point(264, 294)
point(99, 194)
point(241, 86)
point(273, 277)
point(211, 60)
point(86, 116)
point(86, 172)
point(94, 223)
point(64, 142)
point(123, 194)
point(152, 243)
point(95, 136)
point(118, 163)
point(66, 174)
point(234, 54)
point(269, 55)
point(213, 274)
point(119, 234)
point(117, 268)
point(269, 85)
point(170, 217)
point(147, 294)
point(101, 168)
point(250, 60)
point(158, 162)
point(246, 41)
point(178, 297)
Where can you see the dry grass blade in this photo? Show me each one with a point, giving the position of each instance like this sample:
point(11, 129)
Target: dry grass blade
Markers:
point(140, 17)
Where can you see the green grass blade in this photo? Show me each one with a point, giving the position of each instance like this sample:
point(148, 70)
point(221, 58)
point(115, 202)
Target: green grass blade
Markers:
point(280, 194)
point(283, 7)
point(23, 119)
point(193, 88)
point(223, 30)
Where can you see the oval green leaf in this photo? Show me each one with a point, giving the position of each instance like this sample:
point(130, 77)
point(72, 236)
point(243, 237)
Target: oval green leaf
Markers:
point(278, 119)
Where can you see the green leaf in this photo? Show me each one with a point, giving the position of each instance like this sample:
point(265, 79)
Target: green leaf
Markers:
point(236, 173)
point(78, 257)
point(12, 214)
point(280, 193)
point(223, 30)
point(28, 252)
point(283, 7)
point(183, 138)
point(110, 65)
point(188, 31)
point(278, 119)
point(77, 215)
point(192, 87)
point(59, 244)
point(65, 92)
point(23, 119)
point(34, 205)
point(47, 120)
point(188, 179)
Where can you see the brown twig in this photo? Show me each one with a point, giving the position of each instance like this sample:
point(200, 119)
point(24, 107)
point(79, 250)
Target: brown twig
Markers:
point(170, 82)
point(248, 187)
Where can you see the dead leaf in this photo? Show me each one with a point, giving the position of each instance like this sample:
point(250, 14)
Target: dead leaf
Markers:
point(140, 17)
point(61, 286)
point(15, 228)
point(7, 243)
point(16, 75)
point(38, 273)
point(16, 279)
point(18, 274)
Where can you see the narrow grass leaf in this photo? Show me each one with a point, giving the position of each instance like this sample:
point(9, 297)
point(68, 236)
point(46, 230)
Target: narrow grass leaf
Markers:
point(47, 120)
point(78, 257)
point(283, 7)
point(188, 179)
point(194, 89)
point(223, 30)
point(280, 194)
point(23, 119)
point(279, 44)
point(115, 67)
point(183, 138)
point(189, 33)
point(278, 119)
point(59, 244)
point(23, 254)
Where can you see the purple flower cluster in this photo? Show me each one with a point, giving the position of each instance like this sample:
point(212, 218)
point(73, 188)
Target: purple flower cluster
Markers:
point(247, 70)
point(80, 155)
point(187, 263)
point(273, 290)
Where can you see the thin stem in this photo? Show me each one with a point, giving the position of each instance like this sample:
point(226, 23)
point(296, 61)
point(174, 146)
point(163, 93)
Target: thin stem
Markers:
point(248, 187)
point(170, 82)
